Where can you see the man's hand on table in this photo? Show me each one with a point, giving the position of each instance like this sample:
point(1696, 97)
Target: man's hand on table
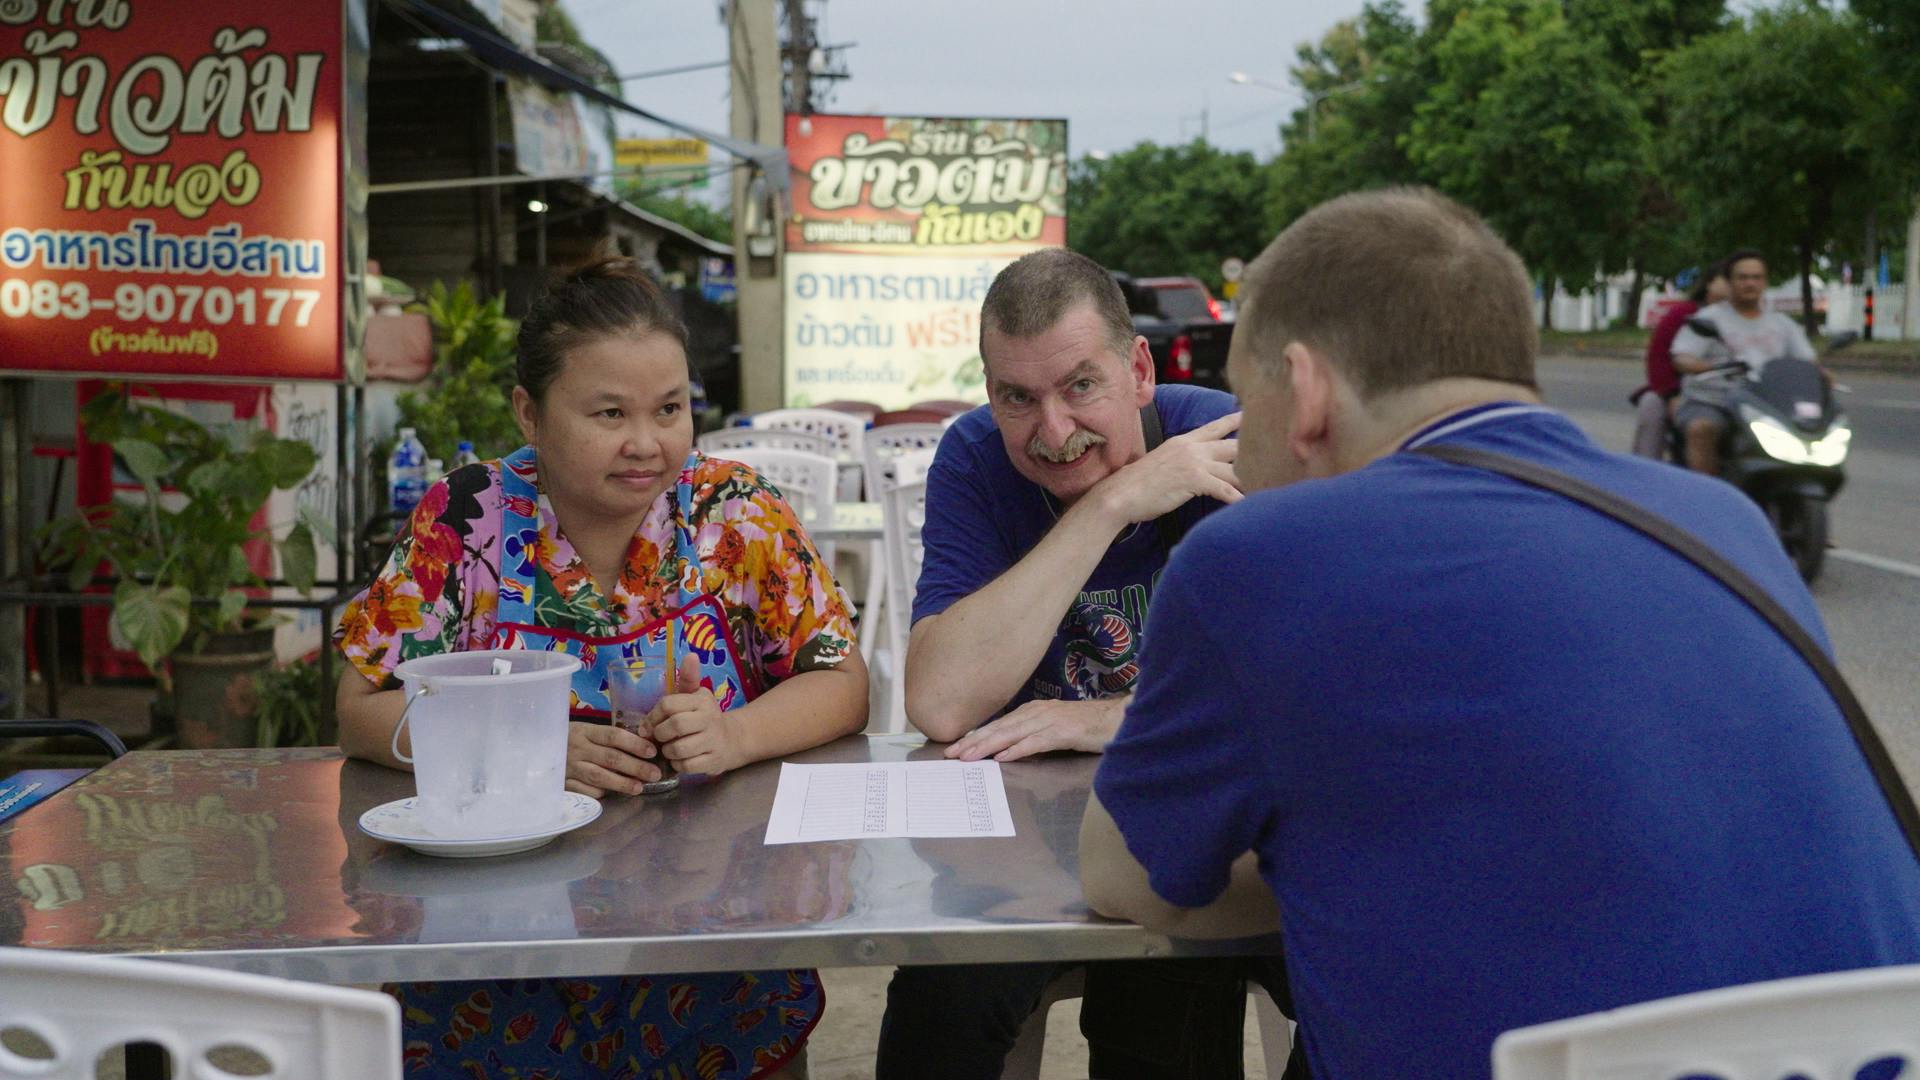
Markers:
point(1196, 464)
point(604, 760)
point(1040, 726)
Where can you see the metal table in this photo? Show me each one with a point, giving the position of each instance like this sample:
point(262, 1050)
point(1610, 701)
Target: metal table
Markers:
point(251, 860)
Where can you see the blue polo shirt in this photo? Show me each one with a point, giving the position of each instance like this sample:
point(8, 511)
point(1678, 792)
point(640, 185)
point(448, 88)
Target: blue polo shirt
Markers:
point(1503, 759)
point(983, 517)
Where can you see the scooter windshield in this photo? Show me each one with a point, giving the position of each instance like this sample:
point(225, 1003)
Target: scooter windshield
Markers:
point(1797, 392)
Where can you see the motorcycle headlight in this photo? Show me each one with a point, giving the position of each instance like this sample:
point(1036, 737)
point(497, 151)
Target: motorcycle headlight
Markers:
point(1779, 443)
point(1831, 450)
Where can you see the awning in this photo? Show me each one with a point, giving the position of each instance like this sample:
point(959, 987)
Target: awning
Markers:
point(503, 55)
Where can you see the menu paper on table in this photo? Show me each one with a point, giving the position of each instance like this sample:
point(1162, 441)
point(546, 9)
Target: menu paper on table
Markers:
point(922, 799)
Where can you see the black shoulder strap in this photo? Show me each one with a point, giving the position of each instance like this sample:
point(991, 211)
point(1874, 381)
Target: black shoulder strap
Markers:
point(1693, 548)
point(1169, 526)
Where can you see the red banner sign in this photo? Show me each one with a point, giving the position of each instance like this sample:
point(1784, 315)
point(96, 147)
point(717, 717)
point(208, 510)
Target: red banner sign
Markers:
point(170, 188)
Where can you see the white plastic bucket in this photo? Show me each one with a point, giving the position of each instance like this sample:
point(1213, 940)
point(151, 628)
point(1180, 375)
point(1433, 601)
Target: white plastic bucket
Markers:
point(489, 750)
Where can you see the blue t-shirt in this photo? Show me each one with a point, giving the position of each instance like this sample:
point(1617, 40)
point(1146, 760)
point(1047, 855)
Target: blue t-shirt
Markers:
point(983, 517)
point(1503, 760)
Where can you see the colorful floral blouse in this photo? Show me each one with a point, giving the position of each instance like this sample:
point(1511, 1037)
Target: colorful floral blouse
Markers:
point(439, 591)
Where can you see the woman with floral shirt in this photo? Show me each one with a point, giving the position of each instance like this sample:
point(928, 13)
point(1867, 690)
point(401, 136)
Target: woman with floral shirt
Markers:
point(605, 524)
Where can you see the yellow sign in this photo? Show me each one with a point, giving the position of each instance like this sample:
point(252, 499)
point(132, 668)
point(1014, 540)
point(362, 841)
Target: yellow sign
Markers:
point(649, 153)
point(1230, 290)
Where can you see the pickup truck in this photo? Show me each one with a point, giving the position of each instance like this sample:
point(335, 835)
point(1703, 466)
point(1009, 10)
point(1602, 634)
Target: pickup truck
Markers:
point(1183, 328)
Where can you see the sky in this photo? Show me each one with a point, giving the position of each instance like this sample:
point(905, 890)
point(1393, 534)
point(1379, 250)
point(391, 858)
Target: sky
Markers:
point(1119, 71)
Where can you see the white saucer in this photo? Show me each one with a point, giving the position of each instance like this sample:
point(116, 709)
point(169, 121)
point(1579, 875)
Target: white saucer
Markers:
point(396, 823)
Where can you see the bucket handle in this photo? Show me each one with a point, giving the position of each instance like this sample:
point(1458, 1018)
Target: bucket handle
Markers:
point(425, 689)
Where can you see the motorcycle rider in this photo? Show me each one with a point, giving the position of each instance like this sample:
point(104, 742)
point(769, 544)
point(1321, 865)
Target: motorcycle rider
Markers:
point(1654, 402)
point(1748, 333)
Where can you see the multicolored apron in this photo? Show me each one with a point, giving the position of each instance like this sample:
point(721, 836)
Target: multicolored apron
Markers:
point(701, 618)
point(715, 1026)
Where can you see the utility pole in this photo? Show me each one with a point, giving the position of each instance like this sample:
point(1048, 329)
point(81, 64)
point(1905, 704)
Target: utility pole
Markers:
point(756, 116)
point(799, 58)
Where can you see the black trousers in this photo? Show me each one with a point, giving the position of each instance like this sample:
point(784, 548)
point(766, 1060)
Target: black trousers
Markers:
point(1142, 1019)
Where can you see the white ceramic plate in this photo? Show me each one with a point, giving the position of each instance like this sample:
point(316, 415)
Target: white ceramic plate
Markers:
point(396, 823)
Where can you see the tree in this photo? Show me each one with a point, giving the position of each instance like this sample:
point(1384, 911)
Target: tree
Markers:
point(698, 216)
point(1362, 81)
point(1636, 34)
point(1529, 123)
point(1765, 146)
point(1155, 210)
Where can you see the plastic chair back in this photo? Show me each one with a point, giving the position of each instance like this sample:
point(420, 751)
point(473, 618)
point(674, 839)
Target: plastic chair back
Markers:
point(1850, 1025)
point(81, 1006)
point(722, 443)
point(844, 430)
point(806, 480)
point(903, 499)
point(884, 444)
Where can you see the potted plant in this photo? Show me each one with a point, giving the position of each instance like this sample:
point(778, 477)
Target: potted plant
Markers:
point(179, 554)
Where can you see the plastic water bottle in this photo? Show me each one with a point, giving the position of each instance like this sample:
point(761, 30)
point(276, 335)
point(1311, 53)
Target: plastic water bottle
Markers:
point(407, 472)
point(464, 455)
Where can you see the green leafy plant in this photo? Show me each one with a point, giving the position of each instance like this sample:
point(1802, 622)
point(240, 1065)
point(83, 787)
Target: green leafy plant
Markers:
point(186, 539)
point(287, 705)
point(469, 394)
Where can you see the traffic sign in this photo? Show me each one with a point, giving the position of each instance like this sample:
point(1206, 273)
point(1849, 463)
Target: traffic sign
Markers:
point(1231, 268)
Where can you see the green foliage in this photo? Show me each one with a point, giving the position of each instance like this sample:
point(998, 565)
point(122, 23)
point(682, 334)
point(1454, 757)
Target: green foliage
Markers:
point(185, 540)
point(1165, 210)
point(1893, 36)
point(1765, 145)
point(287, 705)
point(1373, 72)
point(698, 216)
point(1530, 123)
point(469, 394)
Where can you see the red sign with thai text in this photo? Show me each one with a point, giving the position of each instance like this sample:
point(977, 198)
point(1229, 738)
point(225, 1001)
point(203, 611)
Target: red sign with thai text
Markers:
point(170, 188)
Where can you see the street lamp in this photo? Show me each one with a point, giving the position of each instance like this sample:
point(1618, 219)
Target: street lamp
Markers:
point(1312, 100)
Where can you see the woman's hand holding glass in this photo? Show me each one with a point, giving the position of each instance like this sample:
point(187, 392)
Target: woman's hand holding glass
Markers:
point(603, 760)
point(693, 733)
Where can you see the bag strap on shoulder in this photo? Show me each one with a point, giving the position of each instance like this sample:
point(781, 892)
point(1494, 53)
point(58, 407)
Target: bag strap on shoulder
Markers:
point(1168, 526)
point(1702, 555)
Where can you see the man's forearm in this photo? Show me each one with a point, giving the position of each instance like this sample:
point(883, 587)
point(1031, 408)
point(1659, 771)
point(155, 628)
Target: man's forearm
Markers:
point(1117, 886)
point(964, 663)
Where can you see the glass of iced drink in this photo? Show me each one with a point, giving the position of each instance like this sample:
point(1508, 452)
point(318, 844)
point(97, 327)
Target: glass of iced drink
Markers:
point(635, 687)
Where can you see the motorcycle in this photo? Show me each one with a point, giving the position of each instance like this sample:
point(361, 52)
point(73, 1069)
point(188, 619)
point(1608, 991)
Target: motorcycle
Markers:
point(1787, 449)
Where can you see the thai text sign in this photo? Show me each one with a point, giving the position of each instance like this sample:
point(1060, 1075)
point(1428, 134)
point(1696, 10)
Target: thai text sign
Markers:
point(899, 225)
point(171, 195)
point(649, 153)
point(883, 184)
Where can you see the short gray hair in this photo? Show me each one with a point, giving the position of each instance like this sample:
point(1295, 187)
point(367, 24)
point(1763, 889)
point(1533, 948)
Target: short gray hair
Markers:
point(1399, 287)
point(1038, 289)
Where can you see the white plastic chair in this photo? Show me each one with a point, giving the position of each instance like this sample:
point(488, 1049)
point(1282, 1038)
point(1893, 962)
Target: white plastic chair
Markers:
point(1023, 1061)
point(903, 498)
point(81, 1006)
point(807, 480)
point(722, 443)
point(882, 444)
point(844, 430)
point(1841, 1026)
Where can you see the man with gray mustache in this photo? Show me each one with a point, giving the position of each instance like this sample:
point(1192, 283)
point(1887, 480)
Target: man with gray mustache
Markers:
point(1050, 513)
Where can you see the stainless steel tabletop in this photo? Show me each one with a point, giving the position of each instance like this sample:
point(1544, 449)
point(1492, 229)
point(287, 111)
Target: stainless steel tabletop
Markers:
point(252, 860)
